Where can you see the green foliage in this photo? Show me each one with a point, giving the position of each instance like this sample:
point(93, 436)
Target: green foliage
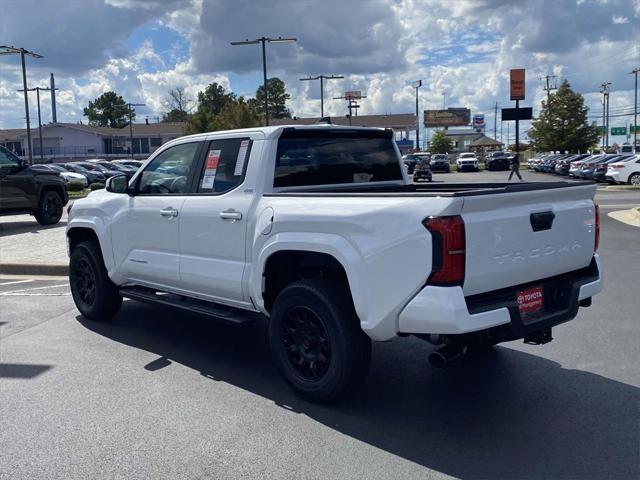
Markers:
point(108, 110)
point(562, 123)
point(175, 115)
point(219, 110)
point(277, 97)
point(440, 143)
point(75, 187)
point(96, 186)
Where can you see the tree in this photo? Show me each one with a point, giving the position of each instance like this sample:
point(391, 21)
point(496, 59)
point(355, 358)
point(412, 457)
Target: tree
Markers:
point(214, 98)
point(562, 123)
point(276, 99)
point(237, 114)
point(109, 110)
point(178, 106)
point(440, 143)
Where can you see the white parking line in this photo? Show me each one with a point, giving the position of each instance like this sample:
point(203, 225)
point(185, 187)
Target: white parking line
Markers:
point(25, 290)
point(14, 282)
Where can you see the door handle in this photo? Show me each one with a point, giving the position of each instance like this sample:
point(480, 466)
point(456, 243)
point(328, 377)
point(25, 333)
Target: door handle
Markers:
point(169, 212)
point(231, 214)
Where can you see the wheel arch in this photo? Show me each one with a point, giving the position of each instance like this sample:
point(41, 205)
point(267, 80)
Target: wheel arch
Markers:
point(78, 232)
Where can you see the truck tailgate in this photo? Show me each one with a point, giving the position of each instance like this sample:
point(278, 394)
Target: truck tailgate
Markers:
point(519, 237)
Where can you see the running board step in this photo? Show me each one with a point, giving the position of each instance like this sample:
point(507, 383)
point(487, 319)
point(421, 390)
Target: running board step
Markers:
point(219, 313)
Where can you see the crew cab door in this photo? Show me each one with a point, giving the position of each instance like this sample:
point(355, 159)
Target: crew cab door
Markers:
point(15, 181)
point(145, 234)
point(213, 222)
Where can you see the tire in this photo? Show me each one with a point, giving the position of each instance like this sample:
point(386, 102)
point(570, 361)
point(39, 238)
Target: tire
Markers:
point(95, 295)
point(50, 207)
point(634, 179)
point(316, 340)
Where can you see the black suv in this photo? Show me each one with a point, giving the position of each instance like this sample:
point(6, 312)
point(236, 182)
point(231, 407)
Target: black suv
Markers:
point(24, 190)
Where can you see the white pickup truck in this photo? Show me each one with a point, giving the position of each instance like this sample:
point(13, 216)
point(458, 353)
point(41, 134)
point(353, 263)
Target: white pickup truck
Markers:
point(318, 231)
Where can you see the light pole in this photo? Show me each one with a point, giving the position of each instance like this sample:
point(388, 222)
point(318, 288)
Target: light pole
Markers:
point(37, 90)
point(635, 110)
point(4, 50)
point(264, 40)
point(322, 78)
point(131, 123)
point(605, 114)
point(417, 84)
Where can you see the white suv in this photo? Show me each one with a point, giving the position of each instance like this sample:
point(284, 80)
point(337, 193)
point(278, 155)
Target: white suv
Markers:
point(627, 171)
point(467, 161)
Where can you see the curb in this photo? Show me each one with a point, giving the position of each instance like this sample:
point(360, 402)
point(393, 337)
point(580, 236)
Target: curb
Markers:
point(33, 269)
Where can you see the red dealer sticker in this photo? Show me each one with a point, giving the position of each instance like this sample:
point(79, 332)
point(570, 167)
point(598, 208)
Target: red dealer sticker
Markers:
point(530, 300)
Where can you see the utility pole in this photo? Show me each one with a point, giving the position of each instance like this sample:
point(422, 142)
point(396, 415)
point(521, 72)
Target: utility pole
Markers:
point(352, 98)
point(5, 50)
point(495, 121)
point(605, 113)
point(37, 90)
point(322, 78)
point(263, 41)
point(550, 84)
point(417, 84)
point(131, 124)
point(635, 111)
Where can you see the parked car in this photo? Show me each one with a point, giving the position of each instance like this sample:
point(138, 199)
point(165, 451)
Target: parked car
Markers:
point(96, 167)
point(564, 165)
point(626, 171)
point(587, 168)
point(128, 162)
point(467, 161)
point(23, 189)
point(93, 176)
point(315, 231)
point(575, 169)
point(118, 167)
point(498, 161)
point(440, 163)
point(71, 177)
point(600, 169)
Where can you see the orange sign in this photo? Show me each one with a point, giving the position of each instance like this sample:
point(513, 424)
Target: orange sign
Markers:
point(517, 84)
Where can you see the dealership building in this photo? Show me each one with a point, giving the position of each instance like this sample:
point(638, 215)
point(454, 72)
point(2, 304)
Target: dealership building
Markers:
point(78, 141)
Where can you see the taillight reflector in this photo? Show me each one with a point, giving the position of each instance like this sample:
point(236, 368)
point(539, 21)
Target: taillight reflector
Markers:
point(448, 251)
point(597, 241)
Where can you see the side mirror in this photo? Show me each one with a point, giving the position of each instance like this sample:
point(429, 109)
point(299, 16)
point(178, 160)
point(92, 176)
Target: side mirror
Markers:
point(117, 184)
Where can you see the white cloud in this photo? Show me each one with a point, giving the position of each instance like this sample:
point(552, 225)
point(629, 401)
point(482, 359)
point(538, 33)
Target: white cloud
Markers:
point(619, 20)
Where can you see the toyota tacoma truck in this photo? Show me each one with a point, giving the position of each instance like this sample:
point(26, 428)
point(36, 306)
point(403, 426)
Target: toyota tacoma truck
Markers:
point(24, 189)
point(318, 231)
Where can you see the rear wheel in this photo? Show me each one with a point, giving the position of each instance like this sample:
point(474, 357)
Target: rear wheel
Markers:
point(316, 340)
point(50, 208)
point(634, 179)
point(94, 294)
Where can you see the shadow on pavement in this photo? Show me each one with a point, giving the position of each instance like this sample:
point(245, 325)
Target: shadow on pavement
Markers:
point(21, 370)
point(506, 414)
point(26, 226)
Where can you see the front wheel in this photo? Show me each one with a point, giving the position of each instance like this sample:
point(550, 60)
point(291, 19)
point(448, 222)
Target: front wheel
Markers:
point(634, 179)
point(316, 340)
point(95, 295)
point(50, 208)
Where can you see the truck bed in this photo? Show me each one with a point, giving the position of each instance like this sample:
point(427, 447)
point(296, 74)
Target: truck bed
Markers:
point(429, 190)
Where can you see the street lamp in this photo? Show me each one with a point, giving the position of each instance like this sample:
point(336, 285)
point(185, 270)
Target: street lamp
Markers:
point(131, 124)
point(635, 110)
point(417, 84)
point(263, 40)
point(322, 78)
point(37, 90)
point(4, 50)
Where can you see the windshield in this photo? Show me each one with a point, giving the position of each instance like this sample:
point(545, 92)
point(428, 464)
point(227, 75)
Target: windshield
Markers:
point(325, 157)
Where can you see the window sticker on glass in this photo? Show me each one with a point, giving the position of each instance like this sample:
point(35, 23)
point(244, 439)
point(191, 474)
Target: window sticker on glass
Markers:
point(362, 177)
point(242, 158)
point(207, 181)
point(212, 163)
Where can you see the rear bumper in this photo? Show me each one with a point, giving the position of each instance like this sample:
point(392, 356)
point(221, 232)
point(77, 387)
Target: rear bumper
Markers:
point(446, 311)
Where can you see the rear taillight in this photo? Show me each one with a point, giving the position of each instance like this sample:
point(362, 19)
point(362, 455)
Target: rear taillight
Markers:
point(597, 242)
point(448, 250)
point(617, 165)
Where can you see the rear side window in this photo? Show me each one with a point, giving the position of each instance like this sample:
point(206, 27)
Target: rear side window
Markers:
point(225, 165)
point(326, 157)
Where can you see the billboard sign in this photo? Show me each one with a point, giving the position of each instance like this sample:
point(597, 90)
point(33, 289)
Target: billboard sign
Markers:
point(479, 123)
point(353, 95)
point(522, 113)
point(517, 84)
point(451, 117)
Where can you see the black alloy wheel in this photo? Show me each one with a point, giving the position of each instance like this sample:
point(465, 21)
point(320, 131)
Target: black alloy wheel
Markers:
point(85, 281)
point(305, 339)
point(50, 208)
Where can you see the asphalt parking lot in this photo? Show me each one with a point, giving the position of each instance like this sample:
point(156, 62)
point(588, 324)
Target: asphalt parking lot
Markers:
point(156, 394)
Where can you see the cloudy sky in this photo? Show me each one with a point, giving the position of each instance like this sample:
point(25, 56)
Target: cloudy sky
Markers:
point(464, 48)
